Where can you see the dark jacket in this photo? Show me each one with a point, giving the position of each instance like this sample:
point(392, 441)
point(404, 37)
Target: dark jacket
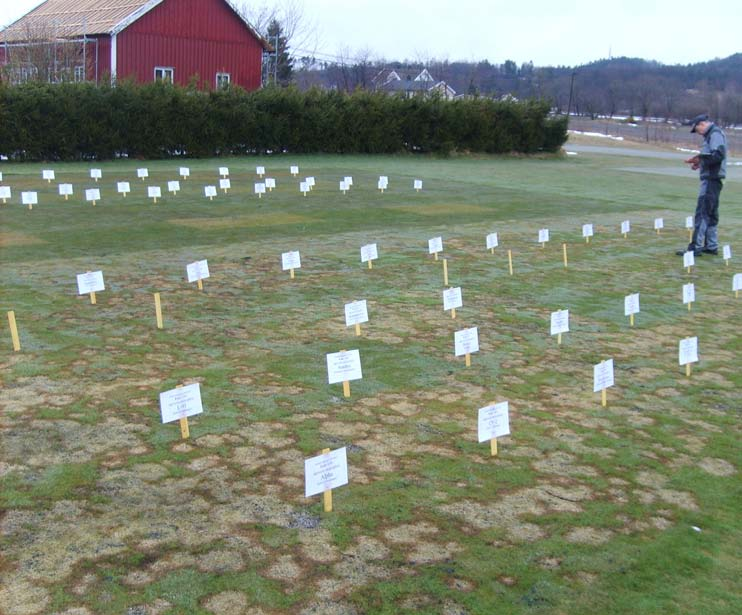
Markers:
point(713, 156)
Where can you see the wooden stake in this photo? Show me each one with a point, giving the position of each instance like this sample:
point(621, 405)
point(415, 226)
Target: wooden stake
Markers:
point(436, 255)
point(689, 304)
point(92, 298)
point(492, 250)
point(346, 388)
point(510, 261)
point(453, 312)
point(493, 446)
point(690, 234)
point(631, 320)
point(658, 231)
point(185, 432)
point(603, 397)
point(467, 358)
point(445, 272)
point(200, 284)
point(587, 239)
point(370, 264)
point(327, 494)
point(14, 331)
point(564, 251)
point(688, 269)
point(158, 310)
point(687, 369)
point(559, 338)
point(291, 273)
point(358, 329)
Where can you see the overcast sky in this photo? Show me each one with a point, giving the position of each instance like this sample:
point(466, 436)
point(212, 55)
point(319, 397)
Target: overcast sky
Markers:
point(570, 32)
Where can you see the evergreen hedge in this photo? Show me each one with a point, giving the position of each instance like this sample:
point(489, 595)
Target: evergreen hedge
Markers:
point(81, 121)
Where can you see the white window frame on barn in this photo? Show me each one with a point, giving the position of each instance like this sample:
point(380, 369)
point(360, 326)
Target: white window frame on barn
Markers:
point(165, 73)
point(79, 74)
point(223, 80)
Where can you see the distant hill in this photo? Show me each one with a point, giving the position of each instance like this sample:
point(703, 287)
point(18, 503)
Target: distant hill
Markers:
point(616, 86)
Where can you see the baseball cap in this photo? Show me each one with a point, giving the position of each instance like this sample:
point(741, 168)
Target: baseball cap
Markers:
point(697, 120)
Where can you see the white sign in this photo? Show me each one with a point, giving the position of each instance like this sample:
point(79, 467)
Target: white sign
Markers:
point(92, 194)
point(198, 270)
point(290, 260)
point(435, 245)
point(325, 472)
point(29, 198)
point(294, 170)
point(492, 241)
point(689, 293)
point(1, 177)
point(270, 183)
point(343, 186)
point(452, 298)
point(602, 375)
point(260, 171)
point(348, 179)
point(173, 186)
point(493, 422)
point(123, 187)
point(466, 341)
point(180, 403)
point(184, 172)
point(223, 171)
point(47, 174)
point(587, 230)
point(737, 281)
point(369, 252)
point(658, 224)
point(625, 227)
point(727, 252)
point(689, 222)
point(356, 313)
point(303, 187)
point(417, 184)
point(310, 182)
point(65, 189)
point(344, 365)
point(90, 282)
point(631, 304)
point(96, 173)
point(383, 181)
point(154, 192)
point(688, 351)
point(689, 259)
point(559, 322)
point(543, 235)
point(259, 187)
point(210, 191)
point(142, 173)
point(4, 192)
point(225, 184)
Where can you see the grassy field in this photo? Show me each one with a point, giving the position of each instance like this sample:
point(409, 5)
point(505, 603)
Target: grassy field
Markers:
point(632, 507)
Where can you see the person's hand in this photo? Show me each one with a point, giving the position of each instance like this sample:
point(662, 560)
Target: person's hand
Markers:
point(695, 160)
point(695, 166)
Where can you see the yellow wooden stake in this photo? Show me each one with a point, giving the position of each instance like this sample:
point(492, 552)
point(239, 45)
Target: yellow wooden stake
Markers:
point(200, 284)
point(327, 494)
point(689, 304)
point(436, 255)
point(690, 234)
point(603, 397)
point(358, 329)
point(493, 446)
point(453, 312)
point(445, 272)
point(92, 298)
point(658, 231)
point(559, 338)
point(687, 369)
point(492, 250)
point(631, 320)
point(346, 388)
point(467, 358)
point(14, 331)
point(30, 206)
point(688, 269)
point(564, 251)
point(291, 273)
point(510, 261)
point(65, 197)
point(158, 310)
point(370, 264)
point(587, 239)
point(153, 197)
point(185, 432)
point(625, 235)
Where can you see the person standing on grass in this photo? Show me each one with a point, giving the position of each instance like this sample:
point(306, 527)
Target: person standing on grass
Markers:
point(712, 160)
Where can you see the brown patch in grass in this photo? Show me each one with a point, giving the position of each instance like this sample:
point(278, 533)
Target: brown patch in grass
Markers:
point(221, 561)
point(251, 221)
point(227, 603)
point(717, 467)
point(14, 238)
point(562, 464)
point(589, 535)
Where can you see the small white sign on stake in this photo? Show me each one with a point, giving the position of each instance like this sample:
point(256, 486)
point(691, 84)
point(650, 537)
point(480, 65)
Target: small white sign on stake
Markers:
point(90, 282)
point(625, 227)
point(181, 402)
point(154, 192)
point(465, 342)
point(210, 192)
point(417, 184)
point(223, 171)
point(198, 270)
point(659, 223)
point(173, 186)
point(348, 179)
point(689, 259)
point(726, 252)
point(689, 293)
point(30, 199)
point(631, 306)
point(493, 422)
point(435, 245)
point(560, 322)
point(92, 194)
point(737, 283)
point(369, 253)
point(291, 261)
point(311, 182)
point(260, 189)
point(5, 193)
point(225, 184)
point(343, 186)
point(96, 174)
point(123, 188)
point(343, 366)
point(603, 376)
point(65, 190)
point(142, 173)
point(587, 231)
point(325, 472)
point(452, 299)
point(294, 170)
point(543, 236)
point(356, 313)
point(492, 241)
point(260, 171)
point(303, 188)
point(688, 351)
point(47, 174)
point(185, 172)
point(689, 222)
point(270, 183)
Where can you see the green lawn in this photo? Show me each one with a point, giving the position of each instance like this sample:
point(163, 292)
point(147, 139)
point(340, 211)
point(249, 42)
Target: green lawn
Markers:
point(586, 509)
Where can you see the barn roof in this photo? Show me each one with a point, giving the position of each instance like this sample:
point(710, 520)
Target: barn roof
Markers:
point(56, 19)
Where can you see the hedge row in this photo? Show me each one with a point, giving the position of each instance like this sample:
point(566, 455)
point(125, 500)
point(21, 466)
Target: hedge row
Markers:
point(77, 121)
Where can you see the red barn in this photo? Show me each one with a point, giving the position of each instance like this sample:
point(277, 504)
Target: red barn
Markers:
point(173, 40)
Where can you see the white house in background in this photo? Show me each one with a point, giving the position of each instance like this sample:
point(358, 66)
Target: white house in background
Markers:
point(411, 82)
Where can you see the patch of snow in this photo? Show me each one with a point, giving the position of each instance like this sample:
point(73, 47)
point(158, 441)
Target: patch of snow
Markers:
point(690, 151)
point(571, 153)
point(596, 134)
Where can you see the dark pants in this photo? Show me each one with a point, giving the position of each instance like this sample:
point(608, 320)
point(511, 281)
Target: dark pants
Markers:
point(705, 233)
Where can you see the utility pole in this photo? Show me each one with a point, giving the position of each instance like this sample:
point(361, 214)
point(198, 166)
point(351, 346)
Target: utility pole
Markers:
point(571, 88)
point(275, 63)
